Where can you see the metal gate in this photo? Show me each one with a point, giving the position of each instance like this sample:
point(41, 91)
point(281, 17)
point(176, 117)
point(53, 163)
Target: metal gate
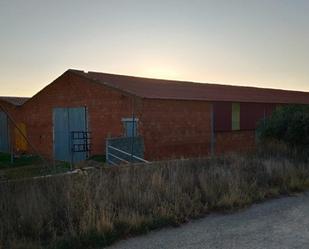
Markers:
point(68, 121)
point(4, 133)
point(122, 150)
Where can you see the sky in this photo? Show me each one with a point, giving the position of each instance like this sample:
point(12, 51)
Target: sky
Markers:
point(262, 43)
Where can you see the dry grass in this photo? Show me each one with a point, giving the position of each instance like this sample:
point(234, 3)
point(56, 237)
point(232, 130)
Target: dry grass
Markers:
point(95, 209)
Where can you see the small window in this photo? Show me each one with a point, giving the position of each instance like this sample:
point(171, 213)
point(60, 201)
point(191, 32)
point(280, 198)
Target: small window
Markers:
point(235, 116)
point(130, 127)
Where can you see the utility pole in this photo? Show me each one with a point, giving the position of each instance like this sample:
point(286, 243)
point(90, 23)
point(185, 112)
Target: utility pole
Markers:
point(133, 129)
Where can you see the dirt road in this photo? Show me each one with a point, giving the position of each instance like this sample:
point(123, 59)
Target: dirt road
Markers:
point(277, 224)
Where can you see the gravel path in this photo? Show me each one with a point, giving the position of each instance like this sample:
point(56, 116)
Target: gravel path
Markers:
point(281, 223)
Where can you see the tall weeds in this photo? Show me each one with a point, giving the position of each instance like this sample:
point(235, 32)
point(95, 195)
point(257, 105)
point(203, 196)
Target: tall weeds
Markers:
point(103, 205)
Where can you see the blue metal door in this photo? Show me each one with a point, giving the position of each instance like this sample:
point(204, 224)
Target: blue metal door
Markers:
point(65, 121)
point(61, 134)
point(4, 133)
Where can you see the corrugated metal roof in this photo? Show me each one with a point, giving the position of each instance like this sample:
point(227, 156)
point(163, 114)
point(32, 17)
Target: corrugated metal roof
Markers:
point(183, 90)
point(17, 101)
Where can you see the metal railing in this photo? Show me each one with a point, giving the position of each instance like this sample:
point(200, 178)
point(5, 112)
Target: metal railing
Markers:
point(139, 159)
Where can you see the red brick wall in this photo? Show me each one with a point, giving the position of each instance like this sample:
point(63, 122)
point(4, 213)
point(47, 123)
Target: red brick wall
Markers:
point(234, 141)
point(105, 107)
point(174, 129)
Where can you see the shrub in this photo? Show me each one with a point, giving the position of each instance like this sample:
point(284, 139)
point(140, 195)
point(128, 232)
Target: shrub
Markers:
point(288, 124)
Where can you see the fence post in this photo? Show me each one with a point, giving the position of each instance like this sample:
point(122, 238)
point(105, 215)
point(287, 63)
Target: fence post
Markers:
point(106, 150)
point(212, 130)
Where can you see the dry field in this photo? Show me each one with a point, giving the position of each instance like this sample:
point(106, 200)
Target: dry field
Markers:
point(98, 207)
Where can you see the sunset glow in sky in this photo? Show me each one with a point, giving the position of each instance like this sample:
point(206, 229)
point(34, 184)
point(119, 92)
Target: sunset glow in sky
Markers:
point(241, 42)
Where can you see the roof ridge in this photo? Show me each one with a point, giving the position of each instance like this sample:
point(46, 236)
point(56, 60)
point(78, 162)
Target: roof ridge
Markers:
point(85, 73)
point(151, 88)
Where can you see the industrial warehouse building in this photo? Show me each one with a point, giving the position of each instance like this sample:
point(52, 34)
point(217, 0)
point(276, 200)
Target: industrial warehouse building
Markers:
point(169, 119)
